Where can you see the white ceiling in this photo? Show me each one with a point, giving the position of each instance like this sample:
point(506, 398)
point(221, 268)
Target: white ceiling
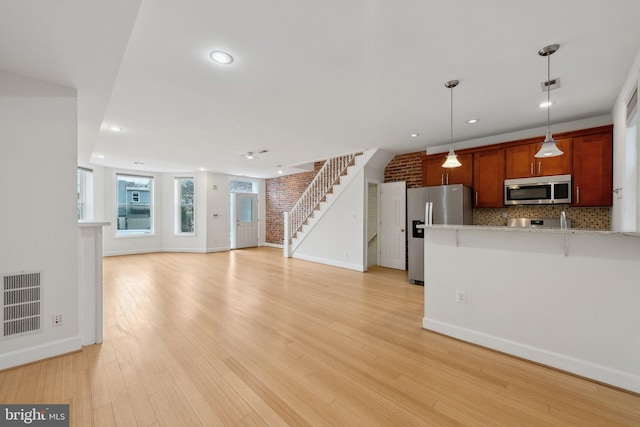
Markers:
point(312, 79)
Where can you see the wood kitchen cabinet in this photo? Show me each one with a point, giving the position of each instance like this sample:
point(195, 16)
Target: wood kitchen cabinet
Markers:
point(488, 178)
point(522, 163)
point(434, 174)
point(593, 170)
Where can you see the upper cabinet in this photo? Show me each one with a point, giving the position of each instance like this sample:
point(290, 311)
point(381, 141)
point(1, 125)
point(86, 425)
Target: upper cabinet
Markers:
point(488, 178)
point(593, 170)
point(434, 174)
point(588, 157)
point(522, 163)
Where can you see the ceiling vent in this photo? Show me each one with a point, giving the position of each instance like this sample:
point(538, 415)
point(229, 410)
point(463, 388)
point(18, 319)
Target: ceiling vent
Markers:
point(550, 85)
point(254, 154)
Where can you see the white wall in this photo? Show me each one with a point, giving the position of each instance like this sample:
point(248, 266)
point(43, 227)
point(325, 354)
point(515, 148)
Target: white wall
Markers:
point(38, 224)
point(122, 245)
point(621, 204)
point(339, 236)
point(212, 213)
point(578, 313)
point(172, 242)
point(217, 212)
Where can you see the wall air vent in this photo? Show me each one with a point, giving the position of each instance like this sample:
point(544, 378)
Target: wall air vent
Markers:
point(21, 304)
point(550, 84)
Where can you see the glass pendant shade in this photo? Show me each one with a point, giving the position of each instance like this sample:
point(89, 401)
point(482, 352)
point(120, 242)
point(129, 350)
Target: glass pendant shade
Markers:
point(452, 160)
point(549, 147)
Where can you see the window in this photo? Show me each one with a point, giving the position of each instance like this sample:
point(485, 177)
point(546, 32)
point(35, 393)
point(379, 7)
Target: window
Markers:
point(84, 190)
point(242, 187)
point(184, 202)
point(246, 209)
point(134, 204)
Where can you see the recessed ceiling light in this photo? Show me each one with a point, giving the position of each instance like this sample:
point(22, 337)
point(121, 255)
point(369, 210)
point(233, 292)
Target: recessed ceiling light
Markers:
point(414, 135)
point(546, 104)
point(279, 169)
point(138, 163)
point(101, 156)
point(249, 155)
point(220, 57)
point(472, 121)
point(203, 169)
point(115, 128)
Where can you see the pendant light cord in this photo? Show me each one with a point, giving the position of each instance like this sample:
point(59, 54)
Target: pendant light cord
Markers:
point(548, 91)
point(451, 116)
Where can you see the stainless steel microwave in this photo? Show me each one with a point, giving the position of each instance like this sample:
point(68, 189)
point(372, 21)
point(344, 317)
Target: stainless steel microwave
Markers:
point(541, 190)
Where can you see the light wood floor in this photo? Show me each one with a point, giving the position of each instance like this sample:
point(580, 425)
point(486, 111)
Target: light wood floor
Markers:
point(250, 338)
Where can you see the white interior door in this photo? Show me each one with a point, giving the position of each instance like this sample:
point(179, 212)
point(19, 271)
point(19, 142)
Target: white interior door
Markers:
point(393, 213)
point(246, 220)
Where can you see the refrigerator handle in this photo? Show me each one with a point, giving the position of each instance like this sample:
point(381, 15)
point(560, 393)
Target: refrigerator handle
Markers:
point(428, 213)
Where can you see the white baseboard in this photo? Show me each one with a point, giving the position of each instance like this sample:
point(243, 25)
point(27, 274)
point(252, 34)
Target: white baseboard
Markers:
point(219, 249)
point(39, 352)
point(176, 250)
point(131, 252)
point(331, 262)
point(273, 245)
point(186, 250)
point(583, 368)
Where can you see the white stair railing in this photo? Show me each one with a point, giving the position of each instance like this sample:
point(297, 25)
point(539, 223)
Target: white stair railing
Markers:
point(323, 182)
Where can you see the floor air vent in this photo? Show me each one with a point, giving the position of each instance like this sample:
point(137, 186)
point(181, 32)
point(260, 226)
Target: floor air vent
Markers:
point(20, 303)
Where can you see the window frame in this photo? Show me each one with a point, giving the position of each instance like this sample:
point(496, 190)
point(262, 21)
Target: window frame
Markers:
point(84, 190)
point(177, 205)
point(137, 232)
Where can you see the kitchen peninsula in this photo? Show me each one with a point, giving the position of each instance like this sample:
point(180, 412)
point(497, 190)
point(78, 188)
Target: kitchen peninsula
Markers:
point(569, 299)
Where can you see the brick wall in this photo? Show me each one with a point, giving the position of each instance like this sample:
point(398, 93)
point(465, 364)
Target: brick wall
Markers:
point(405, 167)
point(281, 194)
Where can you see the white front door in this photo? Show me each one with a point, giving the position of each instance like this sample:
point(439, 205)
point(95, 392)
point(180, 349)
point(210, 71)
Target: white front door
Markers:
point(244, 233)
point(393, 207)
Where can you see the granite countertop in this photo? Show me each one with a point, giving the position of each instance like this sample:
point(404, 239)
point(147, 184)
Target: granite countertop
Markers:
point(529, 230)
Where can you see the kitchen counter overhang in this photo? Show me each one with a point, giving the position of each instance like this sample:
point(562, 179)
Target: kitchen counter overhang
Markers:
point(530, 230)
point(565, 298)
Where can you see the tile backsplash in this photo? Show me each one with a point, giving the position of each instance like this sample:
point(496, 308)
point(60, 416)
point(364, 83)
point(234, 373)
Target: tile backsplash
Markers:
point(585, 218)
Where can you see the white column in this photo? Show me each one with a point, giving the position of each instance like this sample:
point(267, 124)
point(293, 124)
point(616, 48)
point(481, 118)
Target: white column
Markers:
point(90, 281)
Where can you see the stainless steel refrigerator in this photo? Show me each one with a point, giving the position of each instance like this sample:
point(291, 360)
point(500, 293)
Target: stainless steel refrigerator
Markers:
point(450, 205)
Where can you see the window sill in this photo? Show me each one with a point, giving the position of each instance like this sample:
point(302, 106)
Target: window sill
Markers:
point(132, 234)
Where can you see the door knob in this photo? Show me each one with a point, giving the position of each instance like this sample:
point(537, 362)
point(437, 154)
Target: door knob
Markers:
point(402, 231)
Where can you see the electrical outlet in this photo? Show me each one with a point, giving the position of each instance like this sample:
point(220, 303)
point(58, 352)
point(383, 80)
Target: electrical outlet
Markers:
point(57, 320)
point(461, 296)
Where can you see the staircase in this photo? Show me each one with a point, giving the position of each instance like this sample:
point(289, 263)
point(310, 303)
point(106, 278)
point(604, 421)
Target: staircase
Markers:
point(331, 179)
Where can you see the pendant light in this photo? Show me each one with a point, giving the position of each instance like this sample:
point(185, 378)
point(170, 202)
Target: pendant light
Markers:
point(452, 160)
point(549, 146)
